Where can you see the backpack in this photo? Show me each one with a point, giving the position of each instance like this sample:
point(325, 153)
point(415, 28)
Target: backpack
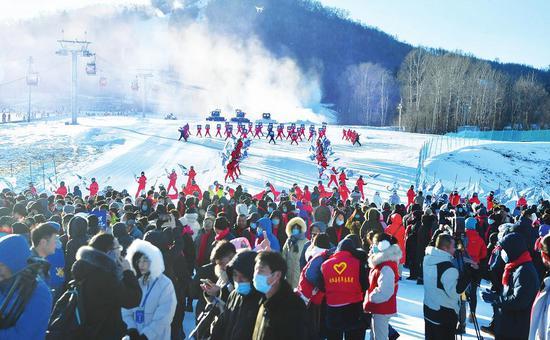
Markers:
point(67, 319)
point(14, 302)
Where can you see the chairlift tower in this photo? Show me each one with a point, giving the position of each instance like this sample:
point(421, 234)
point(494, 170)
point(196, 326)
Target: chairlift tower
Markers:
point(144, 75)
point(32, 80)
point(75, 48)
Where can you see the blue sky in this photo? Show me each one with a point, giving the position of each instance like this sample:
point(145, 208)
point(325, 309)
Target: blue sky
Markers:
point(510, 30)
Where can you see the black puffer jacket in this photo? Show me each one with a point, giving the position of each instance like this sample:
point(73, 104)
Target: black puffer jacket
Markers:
point(514, 305)
point(78, 227)
point(239, 316)
point(282, 316)
point(105, 290)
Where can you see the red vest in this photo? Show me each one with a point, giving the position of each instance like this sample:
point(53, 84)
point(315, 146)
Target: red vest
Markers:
point(390, 306)
point(341, 276)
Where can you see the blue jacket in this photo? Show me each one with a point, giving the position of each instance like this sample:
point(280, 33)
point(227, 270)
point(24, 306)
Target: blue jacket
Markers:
point(264, 223)
point(57, 268)
point(32, 324)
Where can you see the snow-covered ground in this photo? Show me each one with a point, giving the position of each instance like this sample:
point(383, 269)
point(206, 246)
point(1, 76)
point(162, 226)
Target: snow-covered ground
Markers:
point(113, 149)
point(522, 166)
point(409, 321)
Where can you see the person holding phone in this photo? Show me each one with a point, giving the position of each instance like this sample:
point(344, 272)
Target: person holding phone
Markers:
point(108, 284)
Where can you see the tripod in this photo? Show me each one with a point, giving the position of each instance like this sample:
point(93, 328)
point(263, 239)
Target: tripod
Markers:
point(474, 319)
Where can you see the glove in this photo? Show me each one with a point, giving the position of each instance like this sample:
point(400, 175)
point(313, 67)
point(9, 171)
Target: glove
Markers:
point(490, 297)
point(132, 333)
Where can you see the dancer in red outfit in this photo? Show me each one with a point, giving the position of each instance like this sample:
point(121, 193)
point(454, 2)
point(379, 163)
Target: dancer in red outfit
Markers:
point(142, 181)
point(333, 177)
point(173, 177)
point(360, 183)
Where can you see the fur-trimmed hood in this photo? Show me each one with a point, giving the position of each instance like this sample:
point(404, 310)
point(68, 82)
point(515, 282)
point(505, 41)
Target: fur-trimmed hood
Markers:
point(152, 253)
point(295, 221)
point(98, 259)
point(393, 253)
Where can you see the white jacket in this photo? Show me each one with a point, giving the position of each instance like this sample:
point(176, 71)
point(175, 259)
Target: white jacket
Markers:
point(539, 328)
point(385, 287)
point(191, 219)
point(160, 306)
point(434, 297)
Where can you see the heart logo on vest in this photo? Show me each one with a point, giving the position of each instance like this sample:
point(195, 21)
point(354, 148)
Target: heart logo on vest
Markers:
point(340, 267)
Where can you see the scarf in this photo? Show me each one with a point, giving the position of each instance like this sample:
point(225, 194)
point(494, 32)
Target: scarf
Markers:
point(293, 241)
point(223, 234)
point(202, 247)
point(509, 267)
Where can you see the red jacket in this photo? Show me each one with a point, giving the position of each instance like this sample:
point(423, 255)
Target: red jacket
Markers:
point(397, 230)
point(454, 199)
point(192, 175)
point(343, 178)
point(360, 183)
point(476, 247)
point(173, 177)
point(189, 190)
point(390, 306)
point(341, 276)
point(62, 191)
point(475, 200)
point(142, 181)
point(94, 188)
point(299, 193)
point(307, 195)
point(344, 192)
point(410, 197)
point(522, 202)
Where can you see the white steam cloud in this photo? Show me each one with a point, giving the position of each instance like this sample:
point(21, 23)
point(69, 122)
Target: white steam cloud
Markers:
point(195, 70)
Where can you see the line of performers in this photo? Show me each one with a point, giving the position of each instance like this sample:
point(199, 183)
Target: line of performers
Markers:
point(250, 130)
point(351, 136)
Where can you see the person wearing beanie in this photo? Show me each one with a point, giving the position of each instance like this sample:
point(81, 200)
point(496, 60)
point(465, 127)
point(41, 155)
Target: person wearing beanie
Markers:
point(240, 229)
point(371, 224)
point(222, 230)
point(33, 321)
point(204, 241)
point(477, 250)
point(19, 228)
point(68, 209)
point(337, 231)
point(252, 223)
point(281, 313)
point(264, 229)
point(241, 209)
point(5, 211)
point(315, 229)
point(77, 229)
point(293, 248)
point(345, 281)
point(539, 327)
point(120, 231)
point(6, 223)
point(381, 296)
point(239, 315)
point(108, 284)
point(19, 212)
point(520, 282)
